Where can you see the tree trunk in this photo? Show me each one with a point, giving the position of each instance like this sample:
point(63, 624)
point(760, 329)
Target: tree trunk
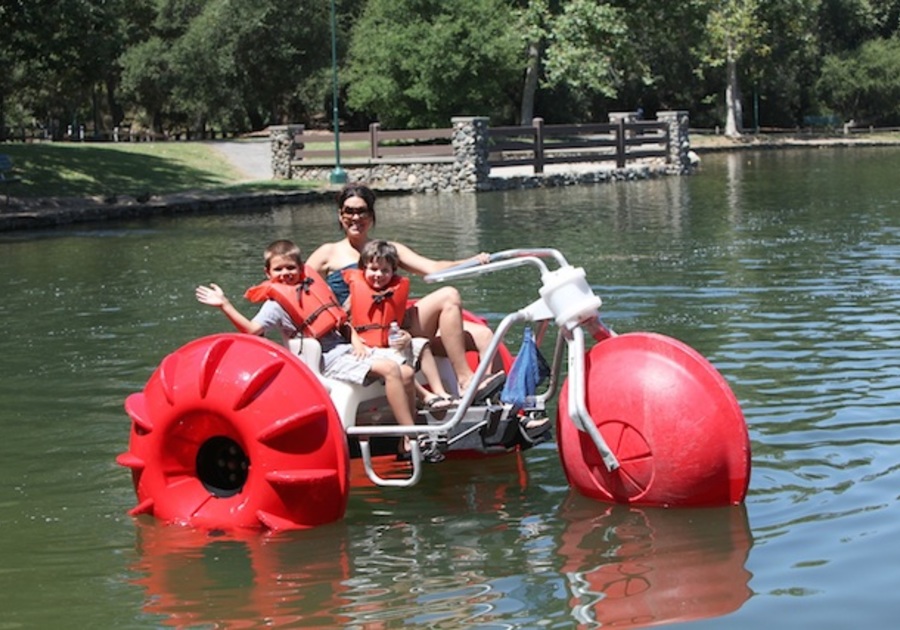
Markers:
point(733, 110)
point(115, 109)
point(257, 122)
point(532, 70)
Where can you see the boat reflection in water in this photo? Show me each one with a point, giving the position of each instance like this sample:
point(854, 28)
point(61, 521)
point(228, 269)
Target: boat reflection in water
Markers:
point(469, 560)
point(324, 577)
point(636, 567)
point(196, 578)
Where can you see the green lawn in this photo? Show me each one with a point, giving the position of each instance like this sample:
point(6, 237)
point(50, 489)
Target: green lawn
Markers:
point(60, 169)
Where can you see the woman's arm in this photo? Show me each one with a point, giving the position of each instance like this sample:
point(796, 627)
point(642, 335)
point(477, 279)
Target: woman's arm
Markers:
point(320, 259)
point(418, 264)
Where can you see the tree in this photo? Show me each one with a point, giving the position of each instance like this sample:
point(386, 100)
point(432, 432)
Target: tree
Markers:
point(147, 78)
point(625, 54)
point(62, 54)
point(734, 28)
point(588, 48)
point(844, 25)
point(237, 64)
point(417, 63)
point(865, 83)
point(664, 41)
point(533, 17)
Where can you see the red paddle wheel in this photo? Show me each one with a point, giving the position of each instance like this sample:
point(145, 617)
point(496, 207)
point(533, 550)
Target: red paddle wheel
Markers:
point(232, 431)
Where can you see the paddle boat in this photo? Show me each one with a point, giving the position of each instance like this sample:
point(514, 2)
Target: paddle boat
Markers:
point(235, 431)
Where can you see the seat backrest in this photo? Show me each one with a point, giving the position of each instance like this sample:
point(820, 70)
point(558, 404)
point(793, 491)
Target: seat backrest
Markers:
point(347, 398)
point(310, 352)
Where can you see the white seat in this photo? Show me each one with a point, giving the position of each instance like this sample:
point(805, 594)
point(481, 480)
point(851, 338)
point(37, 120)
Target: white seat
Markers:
point(347, 398)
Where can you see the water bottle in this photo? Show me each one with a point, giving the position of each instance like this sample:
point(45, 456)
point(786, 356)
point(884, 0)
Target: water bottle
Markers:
point(395, 337)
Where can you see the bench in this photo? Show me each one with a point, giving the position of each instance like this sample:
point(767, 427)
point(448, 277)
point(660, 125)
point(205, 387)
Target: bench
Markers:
point(822, 122)
point(351, 401)
point(358, 404)
point(6, 178)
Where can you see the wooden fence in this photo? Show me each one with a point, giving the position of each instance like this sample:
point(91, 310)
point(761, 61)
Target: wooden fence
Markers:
point(379, 145)
point(541, 144)
point(536, 145)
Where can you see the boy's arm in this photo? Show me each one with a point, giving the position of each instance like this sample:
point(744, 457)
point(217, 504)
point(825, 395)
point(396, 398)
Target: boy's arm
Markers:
point(213, 295)
point(360, 348)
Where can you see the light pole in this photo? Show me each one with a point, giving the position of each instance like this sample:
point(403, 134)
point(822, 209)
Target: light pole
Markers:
point(338, 175)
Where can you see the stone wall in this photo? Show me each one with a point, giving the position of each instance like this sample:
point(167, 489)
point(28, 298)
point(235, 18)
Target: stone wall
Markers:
point(469, 169)
point(414, 176)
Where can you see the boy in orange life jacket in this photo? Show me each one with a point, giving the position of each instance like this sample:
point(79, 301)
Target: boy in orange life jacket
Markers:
point(314, 311)
point(377, 299)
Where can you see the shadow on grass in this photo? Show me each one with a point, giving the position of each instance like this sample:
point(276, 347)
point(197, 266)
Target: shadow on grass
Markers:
point(58, 170)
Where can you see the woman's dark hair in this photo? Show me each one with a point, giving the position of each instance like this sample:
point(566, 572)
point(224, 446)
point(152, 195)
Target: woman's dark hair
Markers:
point(357, 190)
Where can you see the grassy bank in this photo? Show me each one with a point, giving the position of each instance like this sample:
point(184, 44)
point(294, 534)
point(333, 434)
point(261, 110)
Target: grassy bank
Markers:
point(61, 169)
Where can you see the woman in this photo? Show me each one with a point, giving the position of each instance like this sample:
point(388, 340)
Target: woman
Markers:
point(438, 316)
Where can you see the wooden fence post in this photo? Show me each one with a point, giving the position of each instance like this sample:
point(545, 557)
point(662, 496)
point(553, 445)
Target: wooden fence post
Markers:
point(538, 124)
point(373, 139)
point(620, 143)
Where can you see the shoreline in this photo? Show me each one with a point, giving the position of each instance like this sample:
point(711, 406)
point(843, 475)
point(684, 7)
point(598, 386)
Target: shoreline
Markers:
point(42, 213)
point(702, 143)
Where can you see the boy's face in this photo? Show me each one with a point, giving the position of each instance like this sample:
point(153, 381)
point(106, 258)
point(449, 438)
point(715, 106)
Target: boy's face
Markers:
point(378, 273)
point(283, 269)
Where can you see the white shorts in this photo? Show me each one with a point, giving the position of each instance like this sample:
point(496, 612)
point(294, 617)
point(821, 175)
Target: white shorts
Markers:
point(341, 364)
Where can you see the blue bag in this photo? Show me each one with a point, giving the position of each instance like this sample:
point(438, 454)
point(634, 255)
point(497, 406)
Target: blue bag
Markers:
point(527, 372)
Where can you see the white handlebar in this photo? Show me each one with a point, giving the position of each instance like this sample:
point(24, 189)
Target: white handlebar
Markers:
point(499, 260)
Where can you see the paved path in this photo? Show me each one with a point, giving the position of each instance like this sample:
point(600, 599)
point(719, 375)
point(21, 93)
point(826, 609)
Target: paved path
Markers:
point(252, 157)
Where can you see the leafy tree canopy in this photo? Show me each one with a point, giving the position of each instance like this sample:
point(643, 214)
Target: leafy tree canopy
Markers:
point(417, 63)
point(864, 84)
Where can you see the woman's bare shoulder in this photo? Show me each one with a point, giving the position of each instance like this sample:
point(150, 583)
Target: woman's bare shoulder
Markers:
point(321, 257)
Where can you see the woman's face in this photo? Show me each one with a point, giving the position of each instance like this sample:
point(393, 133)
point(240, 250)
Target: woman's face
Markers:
point(355, 216)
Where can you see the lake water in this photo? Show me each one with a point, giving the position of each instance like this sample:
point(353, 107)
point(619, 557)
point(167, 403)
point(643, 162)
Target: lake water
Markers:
point(780, 267)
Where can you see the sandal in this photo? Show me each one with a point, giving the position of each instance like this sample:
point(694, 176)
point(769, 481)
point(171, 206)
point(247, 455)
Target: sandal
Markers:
point(440, 403)
point(531, 424)
point(535, 429)
point(489, 386)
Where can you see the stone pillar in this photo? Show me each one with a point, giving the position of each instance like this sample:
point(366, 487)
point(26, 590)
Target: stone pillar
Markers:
point(470, 149)
point(284, 145)
point(679, 141)
point(628, 117)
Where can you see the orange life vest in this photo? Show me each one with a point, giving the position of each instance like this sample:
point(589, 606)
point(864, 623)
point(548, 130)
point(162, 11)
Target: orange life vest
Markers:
point(311, 305)
point(371, 311)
